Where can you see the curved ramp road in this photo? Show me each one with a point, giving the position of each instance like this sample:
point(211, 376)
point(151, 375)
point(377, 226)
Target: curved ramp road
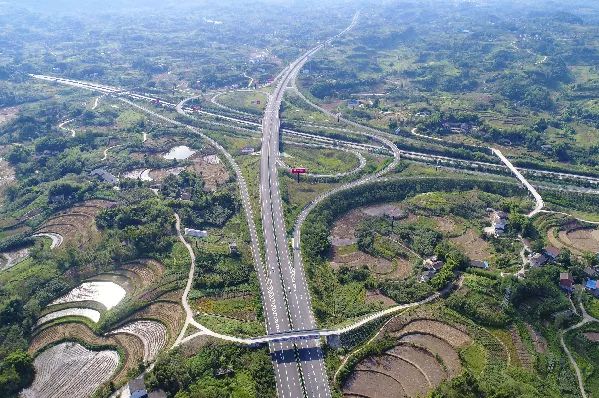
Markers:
point(115, 91)
point(357, 154)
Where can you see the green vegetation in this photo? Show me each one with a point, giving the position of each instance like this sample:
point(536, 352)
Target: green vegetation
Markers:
point(316, 246)
point(519, 75)
point(319, 160)
point(586, 354)
point(16, 372)
point(147, 227)
point(473, 76)
point(215, 371)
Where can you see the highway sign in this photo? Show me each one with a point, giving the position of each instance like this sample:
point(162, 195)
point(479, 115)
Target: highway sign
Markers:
point(299, 170)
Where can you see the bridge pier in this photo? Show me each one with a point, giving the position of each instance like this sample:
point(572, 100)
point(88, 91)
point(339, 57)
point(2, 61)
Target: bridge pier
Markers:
point(334, 341)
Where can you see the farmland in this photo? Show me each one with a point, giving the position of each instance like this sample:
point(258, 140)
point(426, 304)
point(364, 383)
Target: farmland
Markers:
point(151, 228)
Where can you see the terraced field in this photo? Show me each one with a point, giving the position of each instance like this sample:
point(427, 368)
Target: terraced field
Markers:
point(171, 314)
point(131, 346)
point(151, 333)
point(575, 238)
point(88, 313)
point(76, 225)
point(109, 294)
point(71, 370)
point(140, 336)
point(426, 354)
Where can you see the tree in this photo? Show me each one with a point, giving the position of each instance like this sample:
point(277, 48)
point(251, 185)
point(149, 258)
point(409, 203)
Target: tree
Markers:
point(18, 154)
point(16, 372)
point(463, 386)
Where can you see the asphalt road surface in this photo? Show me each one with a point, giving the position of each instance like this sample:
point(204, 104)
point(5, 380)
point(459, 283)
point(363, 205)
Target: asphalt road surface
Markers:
point(299, 367)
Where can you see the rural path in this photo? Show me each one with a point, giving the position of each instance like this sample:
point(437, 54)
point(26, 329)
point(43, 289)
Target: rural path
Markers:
point(62, 127)
point(570, 215)
point(96, 102)
point(189, 320)
point(107, 149)
point(458, 284)
point(184, 301)
point(586, 318)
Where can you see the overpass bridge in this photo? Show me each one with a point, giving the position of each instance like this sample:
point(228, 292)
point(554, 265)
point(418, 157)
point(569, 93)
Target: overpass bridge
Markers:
point(332, 336)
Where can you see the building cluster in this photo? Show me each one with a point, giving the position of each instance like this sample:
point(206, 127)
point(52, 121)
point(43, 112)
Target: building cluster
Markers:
point(248, 150)
point(566, 282)
point(136, 388)
point(196, 233)
point(353, 103)
point(498, 223)
point(431, 266)
point(547, 255)
point(459, 128)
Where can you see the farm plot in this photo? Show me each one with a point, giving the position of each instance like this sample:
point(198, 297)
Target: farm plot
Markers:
point(142, 273)
point(425, 355)
point(581, 239)
point(538, 341)
point(108, 294)
point(171, 314)
point(399, 268)
point(592, 336)
point(138, 174)
point(88, 313)
point(240, 308)
point(7, 114)
point(213, 173)
point(160, 174)
point(76, 225)
point(473, 245)
point(131, 346)
point(7, 174)
point(71, 370)
point(344, 229)
point(387, 209)
point(151, 333)
point(11, 258)
point(107, 290)
point(343, 232)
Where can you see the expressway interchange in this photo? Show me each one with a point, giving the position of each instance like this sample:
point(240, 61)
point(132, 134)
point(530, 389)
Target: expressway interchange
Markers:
point(299, 366)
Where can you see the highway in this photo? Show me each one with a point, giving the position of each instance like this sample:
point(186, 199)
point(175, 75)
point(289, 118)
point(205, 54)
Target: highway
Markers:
point(374, 134)
point(299, 367)
point(294, 346)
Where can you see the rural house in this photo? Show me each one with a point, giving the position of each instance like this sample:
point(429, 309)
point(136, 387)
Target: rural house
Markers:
point(551, 252)
point(592, 286)
point(432, 263)
point(498, 223)
point(566, 282)
point(537, 260)
point(196, 233)
point(479, 264)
